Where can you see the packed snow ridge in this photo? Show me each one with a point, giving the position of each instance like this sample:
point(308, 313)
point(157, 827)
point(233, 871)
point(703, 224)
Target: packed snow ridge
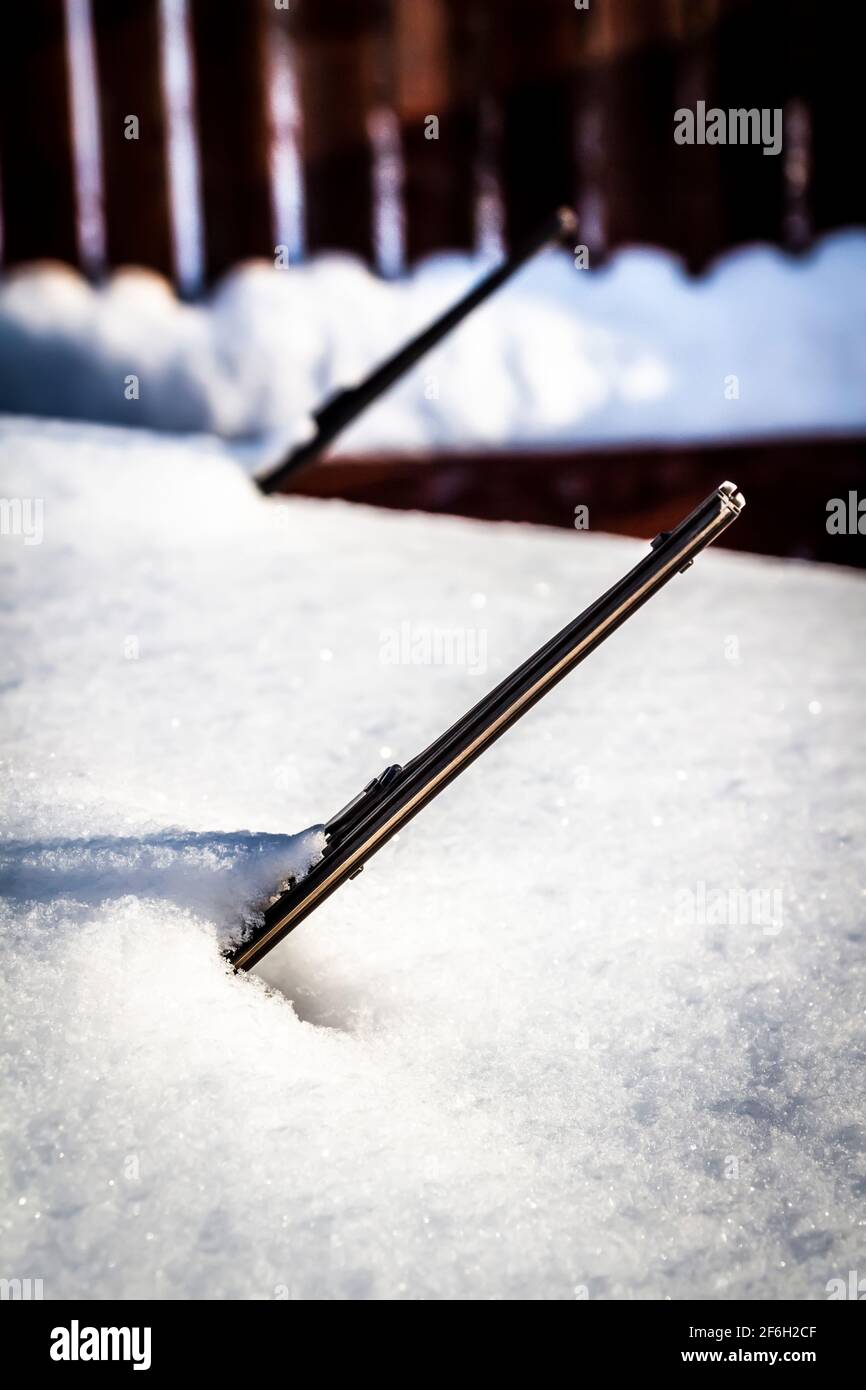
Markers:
point(765, 343)
point(593, 1027)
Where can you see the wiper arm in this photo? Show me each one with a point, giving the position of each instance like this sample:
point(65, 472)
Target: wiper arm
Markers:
point(391, 800)
point(344, 408)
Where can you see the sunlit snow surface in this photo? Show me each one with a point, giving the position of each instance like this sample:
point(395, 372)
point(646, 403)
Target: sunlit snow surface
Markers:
point(765, 342)
point(499, 1064)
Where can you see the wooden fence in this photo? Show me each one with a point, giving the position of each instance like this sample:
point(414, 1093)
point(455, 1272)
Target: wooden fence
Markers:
point(538, 102)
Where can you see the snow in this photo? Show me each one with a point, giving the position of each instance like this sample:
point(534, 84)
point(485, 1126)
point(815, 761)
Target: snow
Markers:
point(505, 1062)
point(634, 351)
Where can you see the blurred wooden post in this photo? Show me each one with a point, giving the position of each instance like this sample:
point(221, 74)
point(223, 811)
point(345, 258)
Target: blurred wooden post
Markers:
point(627, 90)
point(234, 129)
point(37, 169)
point(436, 48)
point(833, 88)
point(340, 47)
point(752, 73)
point(536, 46)
point(696, 186)
point(135, 169)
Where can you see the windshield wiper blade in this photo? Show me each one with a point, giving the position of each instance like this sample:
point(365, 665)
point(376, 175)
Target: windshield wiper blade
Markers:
point(390, 800)
point(344, 408)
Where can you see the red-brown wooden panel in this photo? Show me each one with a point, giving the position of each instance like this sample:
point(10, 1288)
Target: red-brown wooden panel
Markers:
point(37, 172)
point(135, 171)
point(627, 88)
point(834, 89)
point(695, 185)
point(340, 47)
point(637, 491)
point(230, 54)
point(535, 48)
point(436, 55)
point(753, 73)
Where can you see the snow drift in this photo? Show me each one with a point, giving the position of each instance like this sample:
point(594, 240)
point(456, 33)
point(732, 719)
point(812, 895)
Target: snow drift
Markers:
point(506, 1062)
point(634, 351)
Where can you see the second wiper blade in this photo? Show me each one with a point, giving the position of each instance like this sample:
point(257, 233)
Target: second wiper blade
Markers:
point(344, 408)
point(390, 800)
